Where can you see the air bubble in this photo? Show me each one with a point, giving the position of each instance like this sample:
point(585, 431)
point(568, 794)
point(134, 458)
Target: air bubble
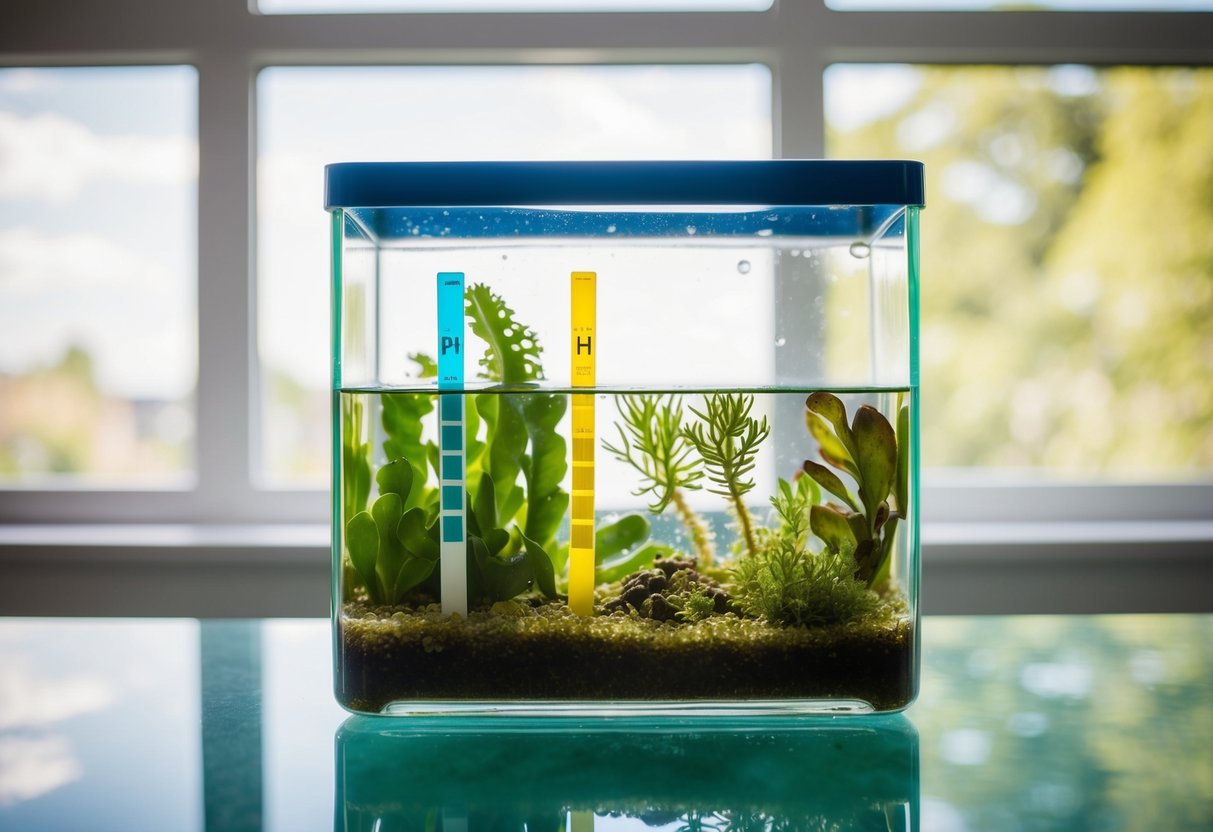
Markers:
point(765, 232)
point(743, 266)
point(610, 229)
point(860, 250)
point(691, 230)
point(779, 342)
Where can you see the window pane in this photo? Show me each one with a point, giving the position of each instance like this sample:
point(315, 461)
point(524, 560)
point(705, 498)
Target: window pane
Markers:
point(1067, 266)
point(355, 6)
point(308, 117)
point(98, 183)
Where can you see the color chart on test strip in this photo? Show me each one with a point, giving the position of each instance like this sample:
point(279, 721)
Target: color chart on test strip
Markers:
point(583, 292)
point(451, 461)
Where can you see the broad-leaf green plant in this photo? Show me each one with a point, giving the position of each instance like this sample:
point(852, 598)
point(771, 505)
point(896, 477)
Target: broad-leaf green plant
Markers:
point(869, 453)
point(393, 549)
point(621, 547)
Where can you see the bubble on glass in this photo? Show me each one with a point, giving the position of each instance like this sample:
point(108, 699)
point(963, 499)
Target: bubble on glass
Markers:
point(691, 230)
point(743, 266)
point(779, 342)
point(610, 229)
point(765, 232)
point(860, 250)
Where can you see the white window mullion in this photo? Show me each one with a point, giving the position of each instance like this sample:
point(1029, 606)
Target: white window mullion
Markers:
point(225, 335)
point(798, 109)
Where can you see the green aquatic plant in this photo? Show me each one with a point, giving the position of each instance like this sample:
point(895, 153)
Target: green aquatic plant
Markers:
point(622, 547)
point(520, 429)
point(511, 526)
point(727, 439)
point(402, 417)
point(512, 353)
point(787, 583)
point(393, 548)
point(355, 457)
point(871, 453)
point(652, 441)
point(792, 503)
point(697, 606)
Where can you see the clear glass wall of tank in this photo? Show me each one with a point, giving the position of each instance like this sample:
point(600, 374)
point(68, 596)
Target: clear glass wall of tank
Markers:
point(771, 305)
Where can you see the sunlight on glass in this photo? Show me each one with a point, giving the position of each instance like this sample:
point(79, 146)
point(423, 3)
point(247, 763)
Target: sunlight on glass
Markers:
point(98, 183)
point(1067, 260)
point(308, 117)
point(388, 6)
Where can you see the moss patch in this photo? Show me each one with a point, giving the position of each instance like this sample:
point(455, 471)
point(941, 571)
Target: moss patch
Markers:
point(516, 651)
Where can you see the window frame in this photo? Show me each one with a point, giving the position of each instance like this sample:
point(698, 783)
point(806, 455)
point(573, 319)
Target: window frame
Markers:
point(229, 44)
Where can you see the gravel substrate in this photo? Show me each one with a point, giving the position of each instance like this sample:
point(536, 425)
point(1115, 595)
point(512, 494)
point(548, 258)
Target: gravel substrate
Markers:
point(520, 652)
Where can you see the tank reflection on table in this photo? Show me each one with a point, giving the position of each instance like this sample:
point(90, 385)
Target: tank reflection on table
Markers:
point(556, 775)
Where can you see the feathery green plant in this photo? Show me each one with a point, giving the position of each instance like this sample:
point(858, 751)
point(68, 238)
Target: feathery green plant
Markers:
point(651, 440)
point(727, 439)
point(787, 584)
point(697, 606)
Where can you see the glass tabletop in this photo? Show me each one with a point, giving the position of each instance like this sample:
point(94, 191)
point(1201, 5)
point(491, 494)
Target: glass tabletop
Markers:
point(1065, 722)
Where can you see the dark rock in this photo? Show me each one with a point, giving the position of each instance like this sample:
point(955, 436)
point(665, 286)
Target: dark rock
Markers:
point(660, 609)
point(635, 595)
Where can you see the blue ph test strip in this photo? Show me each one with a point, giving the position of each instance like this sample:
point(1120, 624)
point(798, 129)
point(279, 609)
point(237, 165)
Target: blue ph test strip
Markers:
point(452, 480)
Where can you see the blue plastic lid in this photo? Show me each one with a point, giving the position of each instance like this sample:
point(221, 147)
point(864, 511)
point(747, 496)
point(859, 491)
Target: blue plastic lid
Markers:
point(778, 182)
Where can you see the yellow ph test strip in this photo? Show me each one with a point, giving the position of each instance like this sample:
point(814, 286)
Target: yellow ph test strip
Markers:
point(581, 532)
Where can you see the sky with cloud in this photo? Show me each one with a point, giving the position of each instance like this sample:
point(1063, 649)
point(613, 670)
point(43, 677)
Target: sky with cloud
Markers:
point(98, 182)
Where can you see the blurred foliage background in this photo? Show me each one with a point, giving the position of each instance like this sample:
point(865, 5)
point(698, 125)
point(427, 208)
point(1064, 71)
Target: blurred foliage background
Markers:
point(1067, 261)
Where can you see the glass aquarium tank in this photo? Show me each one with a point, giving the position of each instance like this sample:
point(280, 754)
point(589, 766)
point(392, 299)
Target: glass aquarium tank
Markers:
point(625, 437)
